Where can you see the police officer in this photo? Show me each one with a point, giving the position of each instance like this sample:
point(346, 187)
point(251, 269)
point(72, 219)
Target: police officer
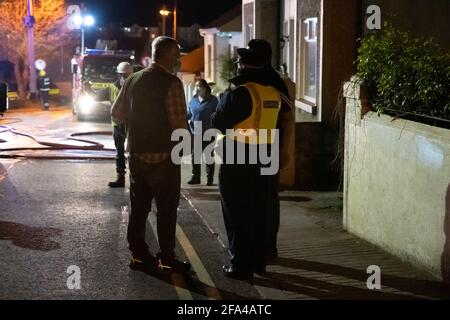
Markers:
point(286, 125)
point(252, 103)
point(44, 88)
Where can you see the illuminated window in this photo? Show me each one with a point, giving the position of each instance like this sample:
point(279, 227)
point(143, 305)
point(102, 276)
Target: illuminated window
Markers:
point(309, 61)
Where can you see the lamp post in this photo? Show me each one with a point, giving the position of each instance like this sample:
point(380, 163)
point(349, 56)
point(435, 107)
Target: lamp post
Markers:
point(164, 13)
point(81, 22)
point(29, 24)
point(175, 20)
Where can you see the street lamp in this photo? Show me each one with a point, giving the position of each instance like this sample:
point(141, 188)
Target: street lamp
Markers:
point(81, 22)
point(164, 13)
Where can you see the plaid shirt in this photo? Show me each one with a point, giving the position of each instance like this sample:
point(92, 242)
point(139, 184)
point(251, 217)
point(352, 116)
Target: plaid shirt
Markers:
point(176, 112)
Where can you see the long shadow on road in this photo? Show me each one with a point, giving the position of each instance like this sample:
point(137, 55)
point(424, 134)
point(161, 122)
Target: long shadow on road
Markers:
point(327, 290)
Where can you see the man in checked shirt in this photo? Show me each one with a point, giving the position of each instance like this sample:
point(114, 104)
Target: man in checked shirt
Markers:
point(152, 105)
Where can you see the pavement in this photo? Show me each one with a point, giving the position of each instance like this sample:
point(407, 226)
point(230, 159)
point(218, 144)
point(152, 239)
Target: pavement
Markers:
point(317, 258)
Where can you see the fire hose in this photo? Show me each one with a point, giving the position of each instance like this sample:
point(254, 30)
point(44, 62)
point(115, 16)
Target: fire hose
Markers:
point(49, 146)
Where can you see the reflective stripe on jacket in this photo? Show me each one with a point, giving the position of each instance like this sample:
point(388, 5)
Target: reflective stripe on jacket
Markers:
point(265, 109)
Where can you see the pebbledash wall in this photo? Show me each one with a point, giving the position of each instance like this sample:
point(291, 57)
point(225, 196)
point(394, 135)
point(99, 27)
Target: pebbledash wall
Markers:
point(396, 185)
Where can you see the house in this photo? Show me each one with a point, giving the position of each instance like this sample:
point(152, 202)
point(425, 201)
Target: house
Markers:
point(222, 37)
point(315, 44)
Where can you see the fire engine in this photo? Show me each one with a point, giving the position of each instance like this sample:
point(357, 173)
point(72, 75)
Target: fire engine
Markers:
point(98, 69)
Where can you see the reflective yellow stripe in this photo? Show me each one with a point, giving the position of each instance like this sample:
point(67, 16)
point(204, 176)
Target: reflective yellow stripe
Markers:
point(12, 95)
point(265, 109)
point(100, 85)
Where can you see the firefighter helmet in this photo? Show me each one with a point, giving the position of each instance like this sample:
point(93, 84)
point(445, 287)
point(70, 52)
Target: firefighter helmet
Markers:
point(42, 73)
point(124, 67)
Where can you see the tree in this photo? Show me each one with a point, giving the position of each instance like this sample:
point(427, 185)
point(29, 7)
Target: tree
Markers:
point(50, 34)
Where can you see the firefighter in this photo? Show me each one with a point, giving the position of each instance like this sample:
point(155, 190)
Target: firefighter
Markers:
point(44, 88)
point(245, 192)
point(124, 70)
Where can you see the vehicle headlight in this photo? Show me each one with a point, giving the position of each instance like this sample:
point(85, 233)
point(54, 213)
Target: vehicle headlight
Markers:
point(86, 103)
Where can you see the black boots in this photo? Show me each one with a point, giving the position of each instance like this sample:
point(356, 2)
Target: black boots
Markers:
point(119, 183)
point(194, 180)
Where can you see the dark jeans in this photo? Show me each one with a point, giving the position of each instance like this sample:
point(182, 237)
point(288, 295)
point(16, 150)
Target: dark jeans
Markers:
point(119, 137)
point(147, 182)
point(248, 202)
point(44, 99)
point(197, 168)
point(273, 218)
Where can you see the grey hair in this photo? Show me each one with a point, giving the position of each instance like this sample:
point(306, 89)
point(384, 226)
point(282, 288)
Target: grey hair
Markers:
point(162, 45)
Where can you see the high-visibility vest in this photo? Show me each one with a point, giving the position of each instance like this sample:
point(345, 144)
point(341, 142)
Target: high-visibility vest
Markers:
point(265, 109)
point(113, 94)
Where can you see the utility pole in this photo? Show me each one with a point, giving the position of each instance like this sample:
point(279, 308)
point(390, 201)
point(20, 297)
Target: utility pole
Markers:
point(29, 22)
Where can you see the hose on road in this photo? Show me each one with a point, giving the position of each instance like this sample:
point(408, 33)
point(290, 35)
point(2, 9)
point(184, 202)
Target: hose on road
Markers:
point(51, 146)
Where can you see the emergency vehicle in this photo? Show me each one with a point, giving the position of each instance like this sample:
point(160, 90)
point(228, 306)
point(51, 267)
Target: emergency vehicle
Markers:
point(98, 69)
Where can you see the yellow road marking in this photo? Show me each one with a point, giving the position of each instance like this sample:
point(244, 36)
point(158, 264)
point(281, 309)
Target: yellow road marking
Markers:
point(197, 265)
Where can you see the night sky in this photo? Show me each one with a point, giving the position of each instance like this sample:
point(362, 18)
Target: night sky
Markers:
point(146, 12)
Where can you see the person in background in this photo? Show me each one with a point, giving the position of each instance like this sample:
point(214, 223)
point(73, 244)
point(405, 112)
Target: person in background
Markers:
point(202, 105)
point(44, 88)
point(124, 70)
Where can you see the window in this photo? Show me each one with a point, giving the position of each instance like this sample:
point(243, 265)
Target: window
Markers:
point(309, 65)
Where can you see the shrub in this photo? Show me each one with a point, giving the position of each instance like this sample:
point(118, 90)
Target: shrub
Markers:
point(404, 74)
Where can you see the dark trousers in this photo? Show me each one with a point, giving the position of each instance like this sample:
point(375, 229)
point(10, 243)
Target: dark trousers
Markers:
point(119, 137)
point(44, 98)
point(197, 168)
point(273, 218)
point(247, 206)
point(147, 182)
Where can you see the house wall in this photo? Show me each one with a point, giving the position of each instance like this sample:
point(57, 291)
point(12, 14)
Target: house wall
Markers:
point(289, 50)
point(317, 135)
point(265, 23)
point(209, 56)
point(397, 185)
